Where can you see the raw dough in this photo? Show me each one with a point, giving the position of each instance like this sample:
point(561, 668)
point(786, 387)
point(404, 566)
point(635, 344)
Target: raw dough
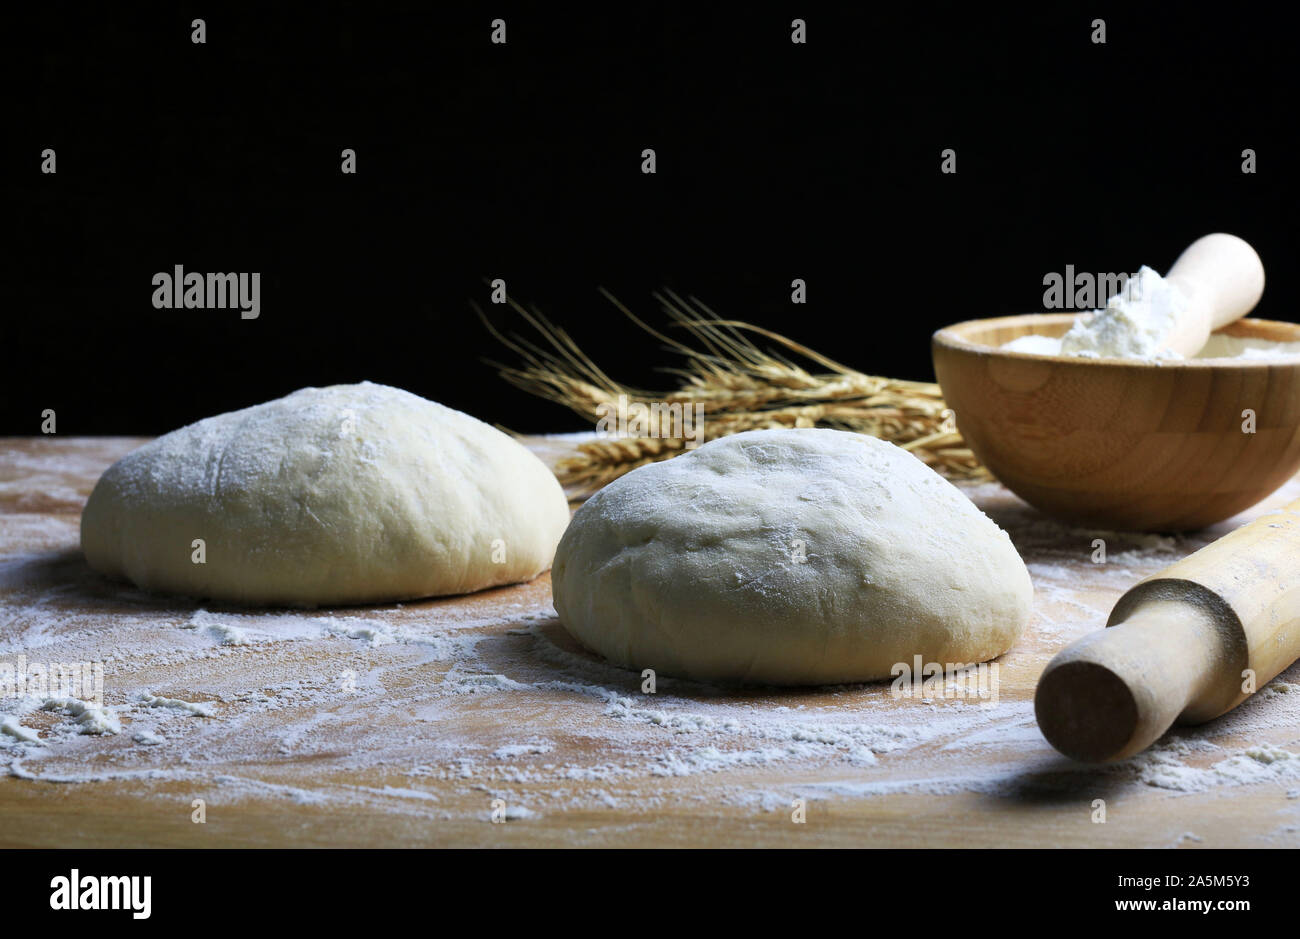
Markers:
point(347, 494)
point(788, 557)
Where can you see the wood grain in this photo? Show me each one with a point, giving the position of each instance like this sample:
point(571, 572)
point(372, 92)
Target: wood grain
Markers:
point(961, 776)
point(1124, 444)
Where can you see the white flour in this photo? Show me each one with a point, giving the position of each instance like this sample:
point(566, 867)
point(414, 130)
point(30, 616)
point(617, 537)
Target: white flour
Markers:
point(1137, 324)
point(1218, 346)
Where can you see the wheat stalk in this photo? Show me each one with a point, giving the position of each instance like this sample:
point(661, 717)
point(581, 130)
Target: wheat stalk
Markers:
point(737, 385)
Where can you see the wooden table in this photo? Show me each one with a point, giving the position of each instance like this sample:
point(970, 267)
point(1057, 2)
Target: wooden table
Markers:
point(411, 724)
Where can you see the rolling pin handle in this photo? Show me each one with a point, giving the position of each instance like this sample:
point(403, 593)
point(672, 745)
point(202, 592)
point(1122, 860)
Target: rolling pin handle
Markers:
point(1115, 692)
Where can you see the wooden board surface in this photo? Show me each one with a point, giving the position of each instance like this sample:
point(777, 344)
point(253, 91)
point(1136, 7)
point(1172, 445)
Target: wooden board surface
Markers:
point(405, 724)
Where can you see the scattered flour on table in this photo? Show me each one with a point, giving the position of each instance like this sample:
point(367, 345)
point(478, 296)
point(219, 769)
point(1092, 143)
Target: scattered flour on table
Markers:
point(90, 718)
point(521, 749)
point(18, 732)
point(200, 708)
point(369, 707)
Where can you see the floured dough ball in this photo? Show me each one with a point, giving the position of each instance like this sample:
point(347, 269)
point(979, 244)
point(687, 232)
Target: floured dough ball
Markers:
point(788, 557)
point(347, 494)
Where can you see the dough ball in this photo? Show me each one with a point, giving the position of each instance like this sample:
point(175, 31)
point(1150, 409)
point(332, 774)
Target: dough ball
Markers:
point(788, 557)
point(348, 494)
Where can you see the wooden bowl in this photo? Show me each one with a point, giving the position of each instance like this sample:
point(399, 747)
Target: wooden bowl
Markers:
point(1116, 444)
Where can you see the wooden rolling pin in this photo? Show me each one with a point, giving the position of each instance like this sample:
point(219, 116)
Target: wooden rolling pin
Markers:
point(1222, 278)
point(1183, 645)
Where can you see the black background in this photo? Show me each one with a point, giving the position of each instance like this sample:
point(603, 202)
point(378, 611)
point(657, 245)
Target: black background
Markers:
point(775, 161)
